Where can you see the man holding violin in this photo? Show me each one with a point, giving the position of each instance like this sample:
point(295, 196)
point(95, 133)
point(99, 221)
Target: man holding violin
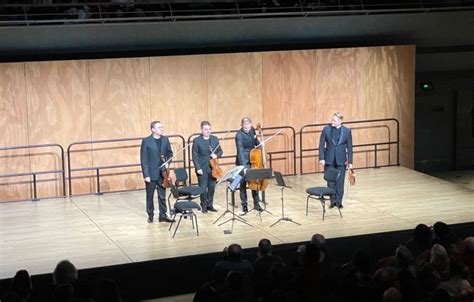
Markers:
point(154, 151)
point(335, 150)
point(246, 140)
point(206, 148)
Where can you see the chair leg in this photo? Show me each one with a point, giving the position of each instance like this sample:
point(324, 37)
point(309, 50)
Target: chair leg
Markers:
point(192, 218)
point(169, 203)
point(307, 201)
point(177, 225)
point(172, 218)
point(323, 205)
point(339, 209)
point(197, 228)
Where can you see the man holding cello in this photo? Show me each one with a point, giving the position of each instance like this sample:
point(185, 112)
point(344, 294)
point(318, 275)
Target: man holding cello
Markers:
point(206, 150)
point(246, 140)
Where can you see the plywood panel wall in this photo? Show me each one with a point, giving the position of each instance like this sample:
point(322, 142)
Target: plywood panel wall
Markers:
point(120, 106)
point(62, 102)
point(58, 107)
point(389, 86)
point(337, 90)
point(179, 96)
point(288, 98)
point(14, 121)
point(234, 85)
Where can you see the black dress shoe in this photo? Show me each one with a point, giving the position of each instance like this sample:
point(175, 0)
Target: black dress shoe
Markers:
point(340, 206)
point(212, 209)
point(245, 209)
point(166, 219)
point(331, 206)
point(204, 210)
point(150, 220)
point(257, 207)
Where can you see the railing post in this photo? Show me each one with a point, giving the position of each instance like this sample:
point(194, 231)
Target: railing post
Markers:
point(294, 150)
point(301, 151)
point(376, 166)
point(35, 196)
point(69, 169)
point(98, 182)
point(398, 142)
point(63, 171)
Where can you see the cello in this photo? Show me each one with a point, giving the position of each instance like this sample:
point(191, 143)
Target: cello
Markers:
point(258, 160)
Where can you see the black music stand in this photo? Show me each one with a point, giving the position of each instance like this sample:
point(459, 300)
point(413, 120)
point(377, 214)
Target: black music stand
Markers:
point(280, 181)
point(233, 178)
point(258, 175)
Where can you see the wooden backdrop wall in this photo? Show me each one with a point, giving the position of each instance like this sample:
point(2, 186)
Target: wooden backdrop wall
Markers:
point(66, 101)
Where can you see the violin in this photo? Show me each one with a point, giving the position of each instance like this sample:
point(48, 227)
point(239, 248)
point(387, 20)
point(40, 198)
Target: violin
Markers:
point(165, 174)
point(168, 179)
point(351, 176)
point(214, 162)
point(258, 160)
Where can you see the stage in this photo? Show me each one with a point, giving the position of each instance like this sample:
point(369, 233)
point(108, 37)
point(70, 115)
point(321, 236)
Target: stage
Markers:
point(110, 229)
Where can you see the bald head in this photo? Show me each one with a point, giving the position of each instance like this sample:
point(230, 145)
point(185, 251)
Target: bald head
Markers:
point(469, 245)
point(318, 240)
point(392, 295)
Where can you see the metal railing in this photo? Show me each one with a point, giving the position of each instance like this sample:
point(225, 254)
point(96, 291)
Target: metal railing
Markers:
point(34, 194)
point(375, 145)
point(100, 12)
point(271, 154)
point(186, 160)
point(97, 169)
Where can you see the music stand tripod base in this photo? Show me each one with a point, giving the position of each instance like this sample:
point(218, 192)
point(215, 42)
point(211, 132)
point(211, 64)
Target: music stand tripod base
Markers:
point(259, 175)
point(232, 178)
point(281, 183)
point(232, 187)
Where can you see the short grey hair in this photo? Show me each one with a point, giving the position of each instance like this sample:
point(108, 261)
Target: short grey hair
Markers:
point(339, 115)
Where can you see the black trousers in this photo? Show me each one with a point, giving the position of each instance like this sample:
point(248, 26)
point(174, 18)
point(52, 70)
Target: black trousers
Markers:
point(339, 184)
point(150, 192)
point(207, 183)
point(243, 193)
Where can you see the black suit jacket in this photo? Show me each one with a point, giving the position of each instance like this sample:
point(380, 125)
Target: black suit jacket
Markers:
point(340, 150)
point(202, 154)
point(244, 143)
point(150, 156)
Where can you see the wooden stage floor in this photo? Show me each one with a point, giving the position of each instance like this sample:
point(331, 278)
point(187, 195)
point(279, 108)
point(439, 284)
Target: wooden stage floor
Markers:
point(94, 231)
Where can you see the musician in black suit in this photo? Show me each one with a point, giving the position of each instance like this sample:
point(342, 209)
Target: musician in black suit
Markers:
point(245, 140)
point(154, 151)
point(335, 150)
point(205, 148)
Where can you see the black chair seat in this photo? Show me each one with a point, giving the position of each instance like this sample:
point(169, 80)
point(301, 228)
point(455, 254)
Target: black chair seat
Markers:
point(320, 191)
point(193, 190)
point(182, 206)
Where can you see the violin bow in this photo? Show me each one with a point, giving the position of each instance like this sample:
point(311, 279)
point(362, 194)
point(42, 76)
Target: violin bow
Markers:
point(220, 140)
point(174, 155)
point(266, 140)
